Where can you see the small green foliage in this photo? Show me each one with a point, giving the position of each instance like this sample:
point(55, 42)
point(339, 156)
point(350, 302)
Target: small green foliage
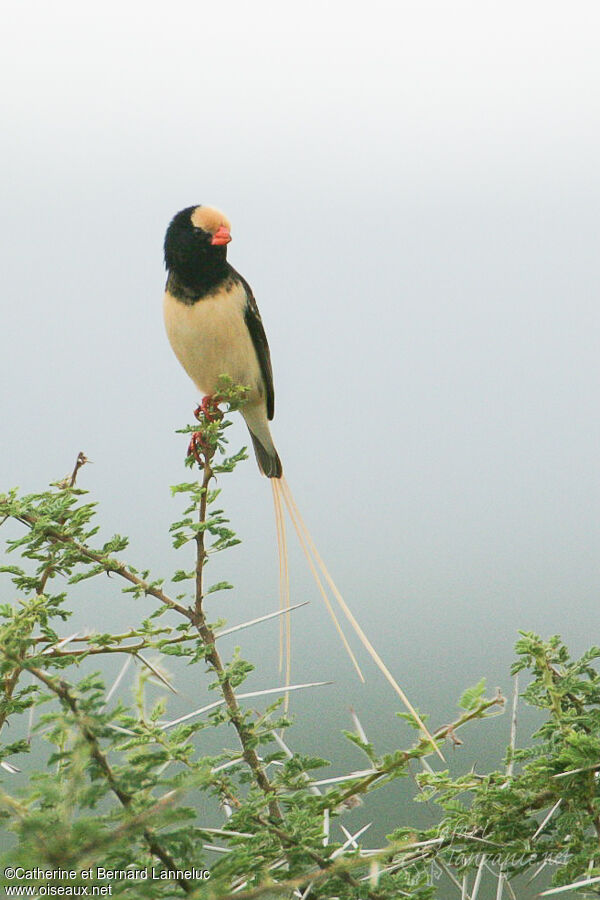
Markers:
point(412, 720)
point(129, 787)
point(366, 747)
point(472, 696)
point(219, 586)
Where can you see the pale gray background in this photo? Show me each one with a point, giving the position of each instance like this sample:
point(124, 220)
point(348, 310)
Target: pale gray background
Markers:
point(414, 195)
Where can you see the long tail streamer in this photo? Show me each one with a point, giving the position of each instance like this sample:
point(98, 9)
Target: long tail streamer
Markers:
point(285, 632)
point(282, 492)
point(279, 494)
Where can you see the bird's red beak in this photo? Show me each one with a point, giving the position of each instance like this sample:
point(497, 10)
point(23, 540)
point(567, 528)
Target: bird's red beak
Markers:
point(221, 236)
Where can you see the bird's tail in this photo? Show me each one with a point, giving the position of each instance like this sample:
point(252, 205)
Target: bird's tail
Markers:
point(282, 495)
point(266, 457)
point(264, 448)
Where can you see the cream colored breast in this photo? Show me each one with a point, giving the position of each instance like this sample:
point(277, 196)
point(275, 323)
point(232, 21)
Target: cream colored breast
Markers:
point(210, 338)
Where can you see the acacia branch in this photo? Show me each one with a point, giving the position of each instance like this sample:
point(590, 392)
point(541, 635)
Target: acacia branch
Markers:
point(214, 658)
point(12, 680)
point(419, 750)
point(62, 691)
point(325, 865)
point(108, 564)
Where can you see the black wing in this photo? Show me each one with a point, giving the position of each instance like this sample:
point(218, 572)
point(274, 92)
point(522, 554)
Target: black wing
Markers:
point(261, 346)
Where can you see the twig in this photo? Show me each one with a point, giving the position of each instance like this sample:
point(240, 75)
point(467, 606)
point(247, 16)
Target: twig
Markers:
point(79, 462)
point(423, 746)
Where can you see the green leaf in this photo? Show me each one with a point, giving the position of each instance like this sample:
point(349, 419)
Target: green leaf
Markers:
point(470, 698)
point(219, 586)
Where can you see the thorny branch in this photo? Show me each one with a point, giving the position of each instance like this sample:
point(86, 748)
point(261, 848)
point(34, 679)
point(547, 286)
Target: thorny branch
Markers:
point(441, 734)
point(12, 680)
point(235, 712)
point(109, 565)
point(206, 633)
point(62, 691)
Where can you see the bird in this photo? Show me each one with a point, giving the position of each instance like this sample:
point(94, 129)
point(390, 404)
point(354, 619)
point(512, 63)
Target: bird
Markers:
point(213, 323)
point(215, 329)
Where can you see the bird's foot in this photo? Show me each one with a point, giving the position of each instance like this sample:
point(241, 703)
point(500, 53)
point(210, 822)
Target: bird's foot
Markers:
point(209, 409)
point(205, 413)
point(197, 446)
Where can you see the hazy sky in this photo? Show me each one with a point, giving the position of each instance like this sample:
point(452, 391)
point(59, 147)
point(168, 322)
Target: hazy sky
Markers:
point(414, 194)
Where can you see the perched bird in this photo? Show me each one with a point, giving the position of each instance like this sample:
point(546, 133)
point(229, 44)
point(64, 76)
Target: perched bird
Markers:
point(215, 329)
point(213, 322)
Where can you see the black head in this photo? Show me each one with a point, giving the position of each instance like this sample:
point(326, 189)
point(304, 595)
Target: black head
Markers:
point(196, 246)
